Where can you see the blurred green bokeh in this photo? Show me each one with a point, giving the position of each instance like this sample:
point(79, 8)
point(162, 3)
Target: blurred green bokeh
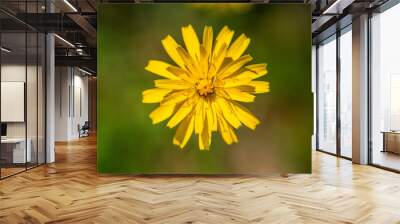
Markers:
point(130, 35)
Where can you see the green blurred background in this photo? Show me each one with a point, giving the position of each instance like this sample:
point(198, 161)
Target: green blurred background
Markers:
point(129, 35)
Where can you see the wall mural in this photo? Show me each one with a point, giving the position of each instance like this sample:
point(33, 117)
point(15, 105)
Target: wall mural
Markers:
point(201, 93)
point(185, 88)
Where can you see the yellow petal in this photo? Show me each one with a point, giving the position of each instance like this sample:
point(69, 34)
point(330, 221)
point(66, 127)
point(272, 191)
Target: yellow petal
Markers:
point(182, 112)
point(161, 113)
point(181, 73)
point(177, 97)
point(208, 39)
point(210, 116)
point(226, 110)
point(225, 131)
point(170, 47)
point(246, 88)
point(171, 84)
point(234, 66)
point(238, 47)
point(260, 86)
point(203, 62)
point(154, 95)
point(224, 37)
point(259, 69)
point(236, 81)
point(160, 68)
point(217, 60)
point(184, 131)
point(214, 113)
point(199, 117)
point(238, 95)
point(233, 135)
point(245, 116)
point(189, 63)
point(191, 41)
point(205, 136)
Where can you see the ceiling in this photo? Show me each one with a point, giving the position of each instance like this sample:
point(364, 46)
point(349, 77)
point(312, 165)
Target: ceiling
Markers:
point(75, 22)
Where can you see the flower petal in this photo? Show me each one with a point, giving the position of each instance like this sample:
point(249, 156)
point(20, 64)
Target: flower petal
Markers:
point(203, 62)
point(245, 116)
point(223, 37)
point(154, 95)
point(260, 86)
point(226, 132)
point(208, 39)
point(170, 47)
point(177, 96)
point(238, 95)
point(259, 69)
point(181, 73)
point(236, 81)
point(161, 113)
point(182, 112)
point(217, 59)
point(205, 136)
point(189, 63)
point(191, 41)
point(160, 68)
point(238, 47)
point(232, 67)
point(199, 117)
point(210, 115)
point(226, 110)
point(171, 84)
point(184, 131)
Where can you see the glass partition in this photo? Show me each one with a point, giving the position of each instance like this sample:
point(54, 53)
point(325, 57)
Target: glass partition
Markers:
point(327, 95)
point(14, 145)
point(22, 101)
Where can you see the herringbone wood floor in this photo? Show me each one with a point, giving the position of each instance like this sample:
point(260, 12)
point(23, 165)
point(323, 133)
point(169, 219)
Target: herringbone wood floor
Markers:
point(70, 191)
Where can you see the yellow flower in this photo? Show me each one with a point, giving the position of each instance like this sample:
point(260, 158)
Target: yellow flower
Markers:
point(201, 93)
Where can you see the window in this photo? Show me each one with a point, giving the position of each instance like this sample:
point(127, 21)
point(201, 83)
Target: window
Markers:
point(346, 92)
point(327, 95)
point(385, 89)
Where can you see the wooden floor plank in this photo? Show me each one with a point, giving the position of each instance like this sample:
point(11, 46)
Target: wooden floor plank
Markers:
point(71, 191)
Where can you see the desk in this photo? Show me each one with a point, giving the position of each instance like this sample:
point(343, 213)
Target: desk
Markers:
point(16, 147)
point(391, 141)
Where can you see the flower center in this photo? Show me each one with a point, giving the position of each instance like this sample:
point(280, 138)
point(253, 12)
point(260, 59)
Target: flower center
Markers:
point(204, 87)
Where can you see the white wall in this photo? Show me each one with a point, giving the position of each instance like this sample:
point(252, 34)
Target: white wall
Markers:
point(62, 82)
point(71, 102)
